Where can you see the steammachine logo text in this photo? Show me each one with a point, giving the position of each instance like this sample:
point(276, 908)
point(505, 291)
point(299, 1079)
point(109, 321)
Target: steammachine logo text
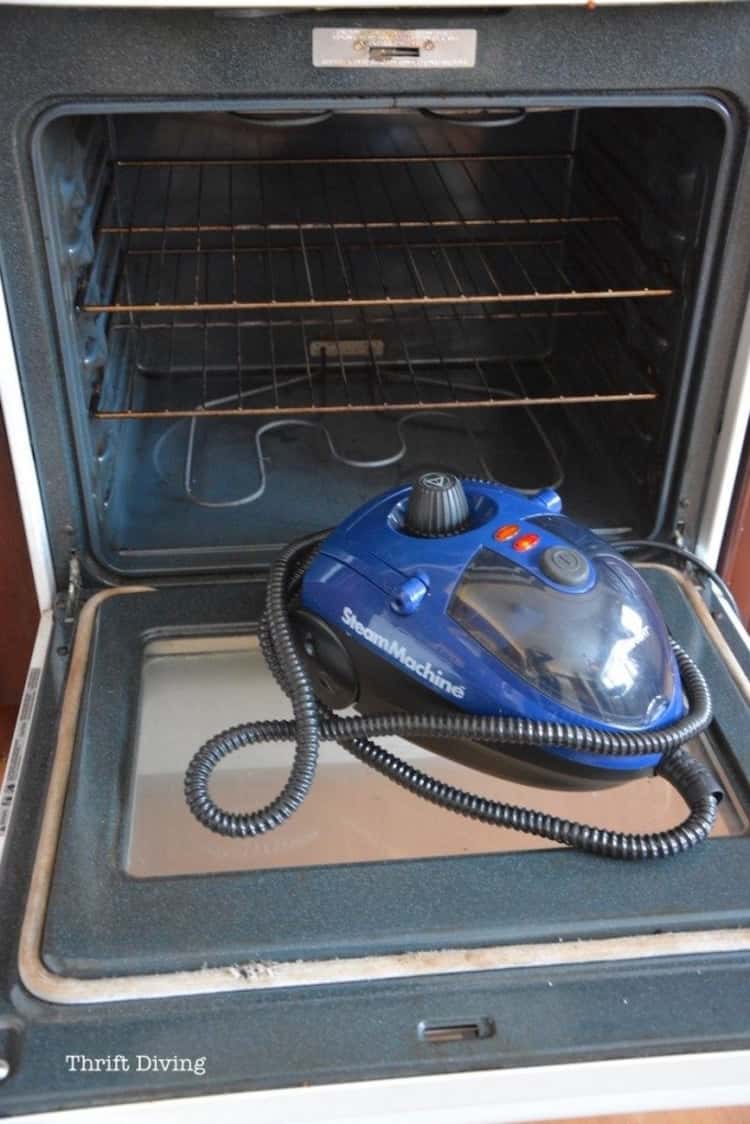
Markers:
point(397, 651)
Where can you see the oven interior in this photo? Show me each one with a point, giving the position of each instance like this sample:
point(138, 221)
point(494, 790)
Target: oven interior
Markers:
point(267, 318)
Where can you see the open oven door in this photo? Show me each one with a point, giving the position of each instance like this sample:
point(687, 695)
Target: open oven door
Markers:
point(372, 938)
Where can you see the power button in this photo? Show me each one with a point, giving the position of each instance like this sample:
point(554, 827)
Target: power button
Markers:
point(564, 565)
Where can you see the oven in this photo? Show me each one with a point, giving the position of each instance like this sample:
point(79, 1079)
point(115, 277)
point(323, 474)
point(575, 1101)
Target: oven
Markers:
point(259, 267)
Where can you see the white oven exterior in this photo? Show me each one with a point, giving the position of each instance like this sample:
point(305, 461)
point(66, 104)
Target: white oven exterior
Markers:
point(494, 1097)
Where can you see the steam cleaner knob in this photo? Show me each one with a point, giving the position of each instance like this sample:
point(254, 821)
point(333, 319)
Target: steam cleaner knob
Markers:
point(437, 506)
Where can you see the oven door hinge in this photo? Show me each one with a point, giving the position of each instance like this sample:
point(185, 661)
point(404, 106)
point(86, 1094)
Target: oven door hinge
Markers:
point(73, 592)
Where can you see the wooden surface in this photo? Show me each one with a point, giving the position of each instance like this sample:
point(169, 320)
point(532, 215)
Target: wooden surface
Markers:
point(7, 722)
point(735, 566)
point(18, 609)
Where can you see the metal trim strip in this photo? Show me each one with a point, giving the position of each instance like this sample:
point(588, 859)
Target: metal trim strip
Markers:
point(332, 5)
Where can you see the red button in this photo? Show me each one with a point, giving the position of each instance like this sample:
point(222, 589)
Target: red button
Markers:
point(509, 531)
point(525, 542)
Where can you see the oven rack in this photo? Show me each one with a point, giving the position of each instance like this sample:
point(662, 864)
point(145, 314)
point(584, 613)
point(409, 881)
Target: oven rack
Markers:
point(255, 235)
point(328, 363)
point(350, 192)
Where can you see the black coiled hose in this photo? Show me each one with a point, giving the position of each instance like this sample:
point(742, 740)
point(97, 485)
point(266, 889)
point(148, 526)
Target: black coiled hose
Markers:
point(314, 722)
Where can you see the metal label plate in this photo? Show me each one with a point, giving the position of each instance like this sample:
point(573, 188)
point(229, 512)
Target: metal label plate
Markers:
point(368, 46)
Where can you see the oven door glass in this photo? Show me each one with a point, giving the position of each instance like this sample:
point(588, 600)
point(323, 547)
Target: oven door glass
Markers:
point(194, 686)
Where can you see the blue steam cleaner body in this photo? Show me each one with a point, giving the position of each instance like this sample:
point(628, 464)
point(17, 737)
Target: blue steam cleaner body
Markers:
point(468, 596)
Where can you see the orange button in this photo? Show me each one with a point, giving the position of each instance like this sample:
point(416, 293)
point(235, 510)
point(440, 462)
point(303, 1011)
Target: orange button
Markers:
point(526, 542)
point(509, 531)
